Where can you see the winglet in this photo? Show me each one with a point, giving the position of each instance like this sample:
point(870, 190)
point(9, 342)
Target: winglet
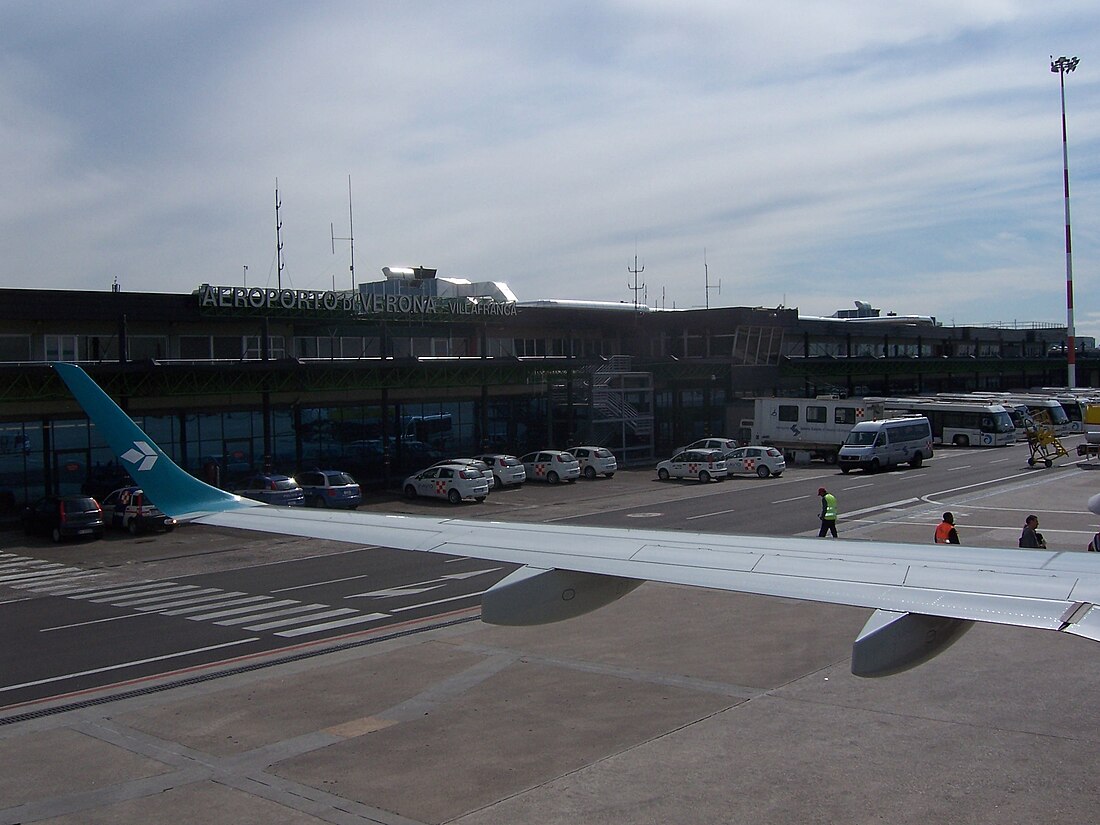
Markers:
point(174, 490)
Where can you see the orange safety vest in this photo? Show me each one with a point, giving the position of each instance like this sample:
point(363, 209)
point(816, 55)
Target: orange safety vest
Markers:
point(943, 532)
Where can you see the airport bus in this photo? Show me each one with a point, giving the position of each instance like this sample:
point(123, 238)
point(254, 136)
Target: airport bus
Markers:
point(960, 423)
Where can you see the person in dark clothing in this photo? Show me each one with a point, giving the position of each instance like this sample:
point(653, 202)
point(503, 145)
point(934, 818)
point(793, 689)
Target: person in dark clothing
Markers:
point(1031, 537)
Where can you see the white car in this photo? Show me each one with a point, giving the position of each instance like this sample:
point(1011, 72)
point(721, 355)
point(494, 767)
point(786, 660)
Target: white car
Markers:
point(506, 469)
point(705, 465)
point(453, 482)
point(764, 461)
point(473, 463)
point(725, 445)
point(551, 466)
point(595, 461)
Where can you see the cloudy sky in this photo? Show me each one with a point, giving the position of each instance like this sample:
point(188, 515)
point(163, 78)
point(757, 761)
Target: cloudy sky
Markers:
point(905, 154)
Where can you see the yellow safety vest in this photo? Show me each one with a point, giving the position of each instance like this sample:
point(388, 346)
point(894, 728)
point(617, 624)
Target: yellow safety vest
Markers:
point(830, 507)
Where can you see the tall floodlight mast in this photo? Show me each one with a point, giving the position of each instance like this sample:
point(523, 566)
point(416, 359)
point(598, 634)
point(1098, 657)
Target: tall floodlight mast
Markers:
point(1061, 66)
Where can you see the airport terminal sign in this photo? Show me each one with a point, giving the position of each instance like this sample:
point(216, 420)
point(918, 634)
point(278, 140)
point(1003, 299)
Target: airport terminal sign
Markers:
point(346, 303)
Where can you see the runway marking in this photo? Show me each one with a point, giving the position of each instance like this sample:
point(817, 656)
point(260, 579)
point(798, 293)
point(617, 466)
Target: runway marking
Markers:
point(785, 500)
point(961, 467)
point(302, 631)
point(93, 621)
point(318, 584)
point(857, 487)
point(438, 601)
point(123, 665)
point(708, 515)
point(338, 611)
point(236, 611)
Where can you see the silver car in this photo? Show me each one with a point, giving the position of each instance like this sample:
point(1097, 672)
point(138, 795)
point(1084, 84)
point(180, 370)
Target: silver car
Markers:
point(551, 466)
point(705, 465)
point(507, 470)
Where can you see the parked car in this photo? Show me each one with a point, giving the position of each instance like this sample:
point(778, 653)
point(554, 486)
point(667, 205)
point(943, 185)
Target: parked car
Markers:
point(272, 489)
point(551, 466)
point(705, 465)
point(453, 482)
point(764, 461)
point(329, 488)
point(64, 517)
point(506, 469)
point(595, 461)
point(129, 509)
point(473, 463)
point(726, 445)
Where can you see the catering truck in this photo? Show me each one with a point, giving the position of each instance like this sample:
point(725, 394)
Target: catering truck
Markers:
point(807, 428)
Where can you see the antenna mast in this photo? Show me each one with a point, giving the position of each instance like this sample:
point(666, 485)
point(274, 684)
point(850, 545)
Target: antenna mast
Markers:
point(278, 236)
point(706, 280)
point(350, 238)
point(636, 288)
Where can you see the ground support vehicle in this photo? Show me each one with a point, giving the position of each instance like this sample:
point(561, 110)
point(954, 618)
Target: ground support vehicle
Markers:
point(595, 461)
point(815, 427)
point(705, 465)
point(129, 509)
point(759, 461)
point(506, 469)
point(329, 488)
point(454, 482)
point(962, 423)
point(876, 445)
point(1043, 442)
point(473, 463)
point(552, 466)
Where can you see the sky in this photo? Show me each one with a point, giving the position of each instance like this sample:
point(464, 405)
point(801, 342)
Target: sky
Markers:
point(796, 152)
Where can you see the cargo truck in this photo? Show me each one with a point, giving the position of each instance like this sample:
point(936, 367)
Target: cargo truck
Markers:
point(807, 428)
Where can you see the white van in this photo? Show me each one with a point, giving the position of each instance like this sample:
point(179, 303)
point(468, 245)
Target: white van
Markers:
point(876, 445)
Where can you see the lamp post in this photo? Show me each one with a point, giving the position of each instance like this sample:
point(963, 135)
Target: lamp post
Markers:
point(1061, 66)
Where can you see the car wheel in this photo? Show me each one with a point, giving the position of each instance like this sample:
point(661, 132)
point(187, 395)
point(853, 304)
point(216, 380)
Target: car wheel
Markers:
point(55, 534)
point(132, 527)
point(763, 471)
point(315, 501)
point(662, 474)
point(704, 476)
point(479, 499)
point(961, 441)
point(552, 477)
point(497, 483)
point(830, 458)
point(845, 470)
point(454, 496)
point(916, 460)
point(590, 472)
point(410, 491)
point(609, 475)
point(875, 467)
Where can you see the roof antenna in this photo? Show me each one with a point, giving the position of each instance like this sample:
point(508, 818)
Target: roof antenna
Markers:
point(350, 239)
point(636, 272)
point(706, 280)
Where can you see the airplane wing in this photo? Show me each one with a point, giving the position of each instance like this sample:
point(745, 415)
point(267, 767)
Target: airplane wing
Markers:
point(924, 597)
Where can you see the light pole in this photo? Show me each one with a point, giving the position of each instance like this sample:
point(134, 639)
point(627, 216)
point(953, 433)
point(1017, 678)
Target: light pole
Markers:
point(1061, 66)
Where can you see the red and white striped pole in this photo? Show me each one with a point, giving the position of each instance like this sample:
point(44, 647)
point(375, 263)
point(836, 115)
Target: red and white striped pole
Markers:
point(1061, 66)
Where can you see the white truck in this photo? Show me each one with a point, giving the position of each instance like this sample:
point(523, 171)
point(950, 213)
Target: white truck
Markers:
point(807, 428)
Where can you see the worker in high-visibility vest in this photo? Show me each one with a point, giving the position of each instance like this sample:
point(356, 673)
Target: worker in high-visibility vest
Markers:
point(946, 532)
point(828, 513)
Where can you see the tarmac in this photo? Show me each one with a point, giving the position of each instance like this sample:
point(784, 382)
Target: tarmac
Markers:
point(673, 705)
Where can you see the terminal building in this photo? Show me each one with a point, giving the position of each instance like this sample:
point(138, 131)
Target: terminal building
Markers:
point(403, 371)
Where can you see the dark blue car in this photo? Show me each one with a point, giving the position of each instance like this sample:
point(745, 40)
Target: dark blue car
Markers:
point(272, 489)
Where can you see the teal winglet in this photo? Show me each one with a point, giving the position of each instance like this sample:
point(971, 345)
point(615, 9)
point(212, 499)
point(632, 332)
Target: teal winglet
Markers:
point(175, 491)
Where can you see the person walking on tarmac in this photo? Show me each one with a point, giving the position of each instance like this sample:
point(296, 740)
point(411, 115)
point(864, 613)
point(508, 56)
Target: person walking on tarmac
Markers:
point(1031, 537)
point(946, 532)
point(828, 513)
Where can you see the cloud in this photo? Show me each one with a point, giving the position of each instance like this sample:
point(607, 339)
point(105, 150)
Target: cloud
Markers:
point(820, 153)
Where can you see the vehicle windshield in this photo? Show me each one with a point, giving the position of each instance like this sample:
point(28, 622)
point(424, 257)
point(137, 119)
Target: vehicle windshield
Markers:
point(1002, 423)
point(861, 438)
point(510, 461)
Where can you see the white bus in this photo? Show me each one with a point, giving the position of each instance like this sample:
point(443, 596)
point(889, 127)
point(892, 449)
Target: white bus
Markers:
point(960, 423)
point(1036, 404)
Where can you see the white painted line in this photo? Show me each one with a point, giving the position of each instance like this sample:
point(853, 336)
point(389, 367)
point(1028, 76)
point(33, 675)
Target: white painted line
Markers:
point(318, 584)
point(439, 601)
point(857, 487)
point(708, 515)
point(35, 576)
point(302, 631)
point(165, 597)
point(960, 467)
point(785, 500)
point(121, 592)
point(888, 505)
point(123, 665)
point(328, 614)
point(92, 621)
point(183, 611)
point(286, 611)
point(221, 596)
point(237, 611)
point(145, 598)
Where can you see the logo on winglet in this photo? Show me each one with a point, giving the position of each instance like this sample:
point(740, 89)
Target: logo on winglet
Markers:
point(141, 455)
